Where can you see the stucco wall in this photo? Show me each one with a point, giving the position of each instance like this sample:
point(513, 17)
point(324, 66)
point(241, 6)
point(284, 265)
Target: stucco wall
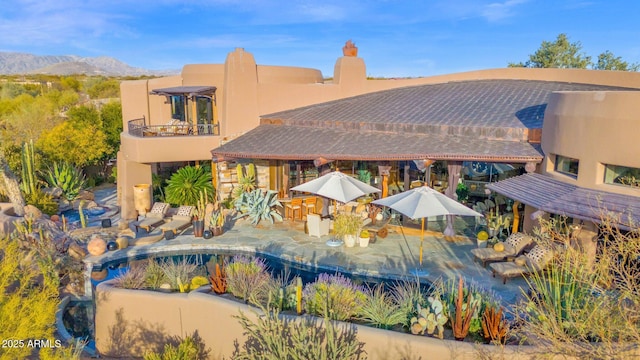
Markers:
point(597, 128)
point(128, 322)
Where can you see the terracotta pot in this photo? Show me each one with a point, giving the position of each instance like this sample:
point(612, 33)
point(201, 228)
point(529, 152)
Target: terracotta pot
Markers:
point(142, 198)
point(217, 231)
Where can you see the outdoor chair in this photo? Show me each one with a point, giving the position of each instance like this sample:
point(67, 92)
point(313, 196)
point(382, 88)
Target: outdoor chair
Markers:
point(514, 246)
point(310, 205)
point(292, 207)
point(538, 259)
point(317, 226)
point(153, 218)
point(180, 221)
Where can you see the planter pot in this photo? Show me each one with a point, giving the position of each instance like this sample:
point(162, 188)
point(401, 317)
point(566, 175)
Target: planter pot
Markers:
point(363, 241)
point(207, 234)
point(482, 243)
point(349, 240)
point(198, 228)
point(142, 198)
point(217, 231)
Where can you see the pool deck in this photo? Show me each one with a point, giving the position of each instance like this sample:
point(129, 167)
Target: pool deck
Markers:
point(396, 256)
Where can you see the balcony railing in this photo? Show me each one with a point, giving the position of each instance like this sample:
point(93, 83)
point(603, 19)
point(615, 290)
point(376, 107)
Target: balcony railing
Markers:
point(138, 127)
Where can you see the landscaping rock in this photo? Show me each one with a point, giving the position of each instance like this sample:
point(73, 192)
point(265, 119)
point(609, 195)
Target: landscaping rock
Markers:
point(86, 195)
point(77, 252)
point(55, 192)
point(32, 211)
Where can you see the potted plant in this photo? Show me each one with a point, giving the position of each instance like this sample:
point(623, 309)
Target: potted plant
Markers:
point(462, 191)
point(216, 222)
point(364, 238)
point(482, 237)
point(346, 227)
point(198, 221)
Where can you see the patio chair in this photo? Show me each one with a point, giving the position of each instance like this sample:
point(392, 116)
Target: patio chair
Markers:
point(514, 246)
point(180, 221)
point(292, 207)
point(317, 226)
point(538, 259)
point(153, 218)
point(310, 206)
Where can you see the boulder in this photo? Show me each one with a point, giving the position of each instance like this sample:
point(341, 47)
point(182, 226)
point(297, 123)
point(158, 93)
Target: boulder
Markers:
point(86, 195)
point(32, 211)
point(77, 252)
point(55, 192)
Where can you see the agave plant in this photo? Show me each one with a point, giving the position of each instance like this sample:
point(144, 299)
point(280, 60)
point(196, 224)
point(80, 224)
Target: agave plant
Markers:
point(66, 177)
point(185, 185)
point(258, 205)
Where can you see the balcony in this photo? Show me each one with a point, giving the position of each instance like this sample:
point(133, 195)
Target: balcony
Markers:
point(168, 143)
point(138, 128)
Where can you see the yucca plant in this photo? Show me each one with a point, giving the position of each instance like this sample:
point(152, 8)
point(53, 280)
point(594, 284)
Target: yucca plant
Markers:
point(67, 177)
point(380, 309)
point(185, 185)
point(258, 205)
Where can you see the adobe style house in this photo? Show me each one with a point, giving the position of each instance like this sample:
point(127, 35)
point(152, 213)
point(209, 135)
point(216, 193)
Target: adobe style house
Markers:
point(568, 127)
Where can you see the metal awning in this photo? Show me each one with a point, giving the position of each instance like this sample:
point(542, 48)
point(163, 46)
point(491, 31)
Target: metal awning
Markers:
point(185, 91)
point(557, 197)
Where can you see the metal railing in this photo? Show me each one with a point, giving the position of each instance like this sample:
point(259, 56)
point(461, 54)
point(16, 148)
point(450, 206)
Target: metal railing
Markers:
point(139, 128)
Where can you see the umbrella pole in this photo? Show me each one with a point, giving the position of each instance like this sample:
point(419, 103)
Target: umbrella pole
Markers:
point(421, 240)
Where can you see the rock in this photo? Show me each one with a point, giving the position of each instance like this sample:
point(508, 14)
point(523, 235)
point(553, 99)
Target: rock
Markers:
point(99, 275)
point(127, 232)
point(123, 242)
point(165, 287)
point(123, 225)
point(86, 205)
point(55, 218)
point(34, 212)
point(86, 195)
point(97, 246)
point(76, 251)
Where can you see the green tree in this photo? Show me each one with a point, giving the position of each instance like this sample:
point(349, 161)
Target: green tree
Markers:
point(101, 88)
point(84, 115)
point(80, 145)
point(30, 117)
point(111, 114)
point(69, 82)
point(560, 54)
point(608, 61)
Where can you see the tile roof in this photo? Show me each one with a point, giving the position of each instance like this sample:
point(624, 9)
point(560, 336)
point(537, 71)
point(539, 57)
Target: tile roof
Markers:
point(305, 143)
point(489, 120)
point(481, 108)
point(557, 197)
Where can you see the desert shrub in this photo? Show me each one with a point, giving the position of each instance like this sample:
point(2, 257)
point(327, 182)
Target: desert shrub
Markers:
point(248, 279)
point(584, 307)
point(134, 278)
point(408, 295)
point(154, 275)
point(42, 201)
point(189, 348)
point(178, 273)
point(28, 298)
point(335, 295)
point(282, 292)
point(272, 337)
point(380, 310)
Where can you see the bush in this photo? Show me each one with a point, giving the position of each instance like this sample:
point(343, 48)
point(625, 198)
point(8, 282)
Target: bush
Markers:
point(178, 274)
point(248, 279)
point(188, 349)
point(185, 185)
point(134, 278)
point(380, 310)
point(334, 295)
point(154, 275)
point(42, 201)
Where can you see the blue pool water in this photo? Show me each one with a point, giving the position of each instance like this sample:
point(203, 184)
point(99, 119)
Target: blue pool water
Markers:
point(73, 216)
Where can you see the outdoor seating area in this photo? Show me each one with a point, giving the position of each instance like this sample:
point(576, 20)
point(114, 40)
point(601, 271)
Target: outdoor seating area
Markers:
point(514, 246)
point(538, 259)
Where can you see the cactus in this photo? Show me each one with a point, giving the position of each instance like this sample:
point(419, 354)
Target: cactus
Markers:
point(83, 219)
point(181, 286)
point(251, 171)
point(64, 224)
point(494, 326)
point(201, 205)
point(219, 281)
point(299, 295)
point(28, 165)
point(463, 314)
point(198, 281)
point(429, 319)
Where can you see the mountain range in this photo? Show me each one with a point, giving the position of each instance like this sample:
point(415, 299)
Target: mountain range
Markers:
point(23, 63)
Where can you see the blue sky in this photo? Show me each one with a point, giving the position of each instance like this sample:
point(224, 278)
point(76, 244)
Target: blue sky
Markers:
point(396, 38)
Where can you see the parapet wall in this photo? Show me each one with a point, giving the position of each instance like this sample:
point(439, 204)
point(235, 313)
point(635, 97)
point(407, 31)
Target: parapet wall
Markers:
point(129, 322)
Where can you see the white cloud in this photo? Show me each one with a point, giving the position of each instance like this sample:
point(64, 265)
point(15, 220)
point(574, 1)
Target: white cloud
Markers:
point(500, 11)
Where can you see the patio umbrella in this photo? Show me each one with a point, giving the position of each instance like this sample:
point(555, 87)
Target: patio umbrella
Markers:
point(422, 202)
point(337, 186)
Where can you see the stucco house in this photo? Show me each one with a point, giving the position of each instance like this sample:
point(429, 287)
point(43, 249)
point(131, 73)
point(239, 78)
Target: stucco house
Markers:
point(572, 131)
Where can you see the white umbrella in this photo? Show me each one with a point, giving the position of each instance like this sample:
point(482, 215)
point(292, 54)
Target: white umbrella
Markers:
point(337, 186)
point(422, 202)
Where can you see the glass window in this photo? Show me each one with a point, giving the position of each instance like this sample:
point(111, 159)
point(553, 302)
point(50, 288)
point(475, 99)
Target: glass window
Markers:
point(178, 107)
point(622, 175)
point(567, 165)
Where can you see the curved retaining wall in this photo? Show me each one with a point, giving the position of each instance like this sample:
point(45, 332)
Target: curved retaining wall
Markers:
point(128, 322)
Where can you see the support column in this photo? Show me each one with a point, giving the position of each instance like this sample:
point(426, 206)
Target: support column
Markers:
point(454, 168)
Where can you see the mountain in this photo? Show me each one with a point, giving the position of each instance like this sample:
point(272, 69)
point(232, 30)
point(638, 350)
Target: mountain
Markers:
point(22, 63)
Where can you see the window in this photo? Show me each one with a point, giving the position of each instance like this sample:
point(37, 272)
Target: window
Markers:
point(177, 107)
point(567, 166)
point(622, 175)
